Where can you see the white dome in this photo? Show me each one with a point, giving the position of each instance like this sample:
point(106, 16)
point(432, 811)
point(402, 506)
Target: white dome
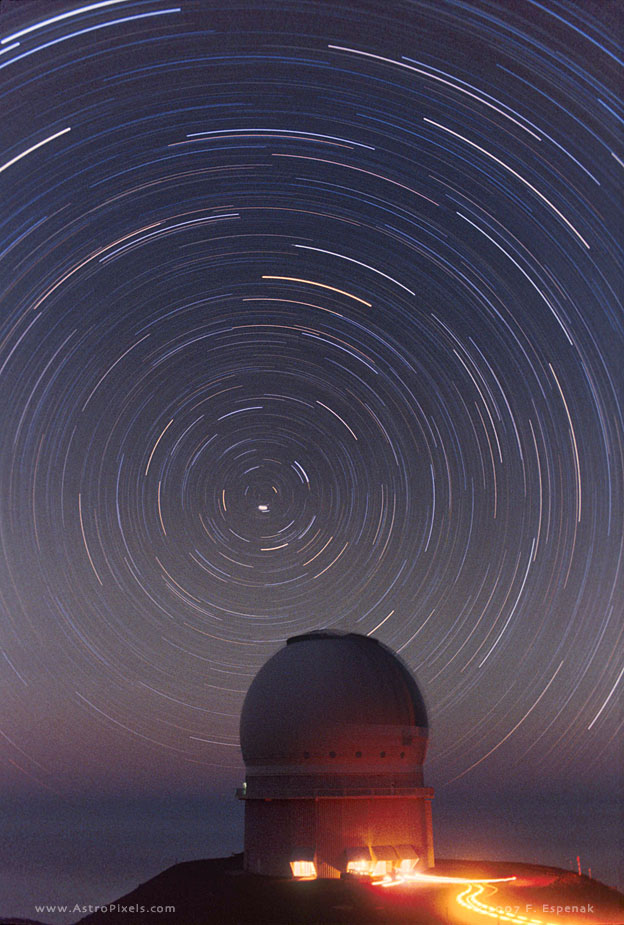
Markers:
point(337, 696)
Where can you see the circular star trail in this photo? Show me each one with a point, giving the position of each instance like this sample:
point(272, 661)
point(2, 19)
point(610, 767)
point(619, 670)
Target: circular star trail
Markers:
point(310, 319)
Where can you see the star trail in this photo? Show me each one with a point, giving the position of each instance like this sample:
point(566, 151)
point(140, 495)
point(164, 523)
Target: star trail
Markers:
point(310, 319)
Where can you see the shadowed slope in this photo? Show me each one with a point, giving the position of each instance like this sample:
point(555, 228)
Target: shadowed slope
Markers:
point(219, 892)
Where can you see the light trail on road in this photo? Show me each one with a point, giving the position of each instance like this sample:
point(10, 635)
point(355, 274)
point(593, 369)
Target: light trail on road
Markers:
point(404, 878)
point(503, 913)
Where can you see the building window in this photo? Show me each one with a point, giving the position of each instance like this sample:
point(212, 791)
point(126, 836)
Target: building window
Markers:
point(402, 755)
point(358, 754)
point(306, 754)
point(359, 860)
point(303, 870)
point(382, 754)
point(332, 754)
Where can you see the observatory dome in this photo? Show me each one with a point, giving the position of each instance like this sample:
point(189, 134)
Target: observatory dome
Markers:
point(328, 696)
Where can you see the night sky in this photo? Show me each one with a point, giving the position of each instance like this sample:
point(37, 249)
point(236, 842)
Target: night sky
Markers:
point(310, 318)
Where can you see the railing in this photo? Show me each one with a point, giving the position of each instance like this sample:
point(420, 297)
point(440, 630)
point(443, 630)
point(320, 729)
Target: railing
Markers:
point(285, 793)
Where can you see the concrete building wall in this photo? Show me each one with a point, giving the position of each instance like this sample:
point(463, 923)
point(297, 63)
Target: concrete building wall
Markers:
point(350, 823)
point(274, 829)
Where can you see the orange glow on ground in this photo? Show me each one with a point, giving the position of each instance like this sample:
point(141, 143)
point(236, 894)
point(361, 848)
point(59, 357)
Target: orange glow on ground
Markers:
point(469, 899)
point(412, 877)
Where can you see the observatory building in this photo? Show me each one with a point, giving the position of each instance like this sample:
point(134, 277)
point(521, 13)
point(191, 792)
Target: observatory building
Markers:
point(334, 733)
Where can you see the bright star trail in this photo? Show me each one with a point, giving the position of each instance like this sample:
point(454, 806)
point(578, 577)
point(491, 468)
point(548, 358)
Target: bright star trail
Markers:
point(310, 318)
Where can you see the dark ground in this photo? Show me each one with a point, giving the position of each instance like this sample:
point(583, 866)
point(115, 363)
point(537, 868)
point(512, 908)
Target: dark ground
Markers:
point(219, 892)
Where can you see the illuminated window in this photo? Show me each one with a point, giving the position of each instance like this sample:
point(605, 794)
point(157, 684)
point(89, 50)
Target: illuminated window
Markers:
point(359, 860)
point(301, 869)
point(408, 857)
point(385, 859)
